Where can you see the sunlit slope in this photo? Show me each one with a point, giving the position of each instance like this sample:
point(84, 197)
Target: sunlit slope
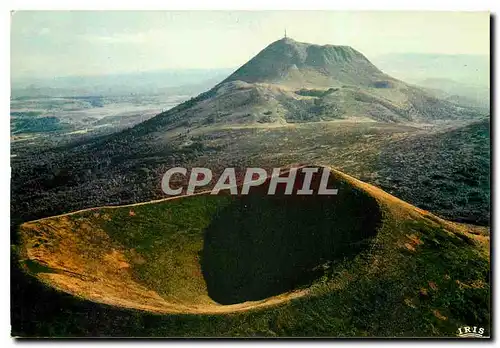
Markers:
point(355, 261)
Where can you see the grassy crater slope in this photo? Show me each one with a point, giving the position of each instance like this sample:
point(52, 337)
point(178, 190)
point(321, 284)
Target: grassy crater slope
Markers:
point(362, 263)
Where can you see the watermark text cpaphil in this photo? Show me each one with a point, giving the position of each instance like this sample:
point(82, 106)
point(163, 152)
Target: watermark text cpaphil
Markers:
point(297, 181)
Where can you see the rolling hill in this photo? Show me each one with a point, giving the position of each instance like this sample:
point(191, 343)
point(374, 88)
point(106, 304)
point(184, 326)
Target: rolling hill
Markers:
point(362, 263)
point(290, 81)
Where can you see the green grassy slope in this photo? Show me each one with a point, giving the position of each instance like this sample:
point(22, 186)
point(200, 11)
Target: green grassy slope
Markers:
point(370, 265)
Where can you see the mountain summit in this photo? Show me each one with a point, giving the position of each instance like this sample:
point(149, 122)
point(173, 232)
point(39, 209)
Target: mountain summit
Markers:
point(296, 82)
point(298, 64)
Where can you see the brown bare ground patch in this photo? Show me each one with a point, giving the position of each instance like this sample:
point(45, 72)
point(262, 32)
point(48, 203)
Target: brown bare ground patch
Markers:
point(116, 259)
point(433, 286)
point(476, 284)
point(438, 315)
point(410, 247)
point(415, 240)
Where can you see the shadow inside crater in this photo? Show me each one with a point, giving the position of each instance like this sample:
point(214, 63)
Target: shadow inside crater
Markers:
point(260, 245)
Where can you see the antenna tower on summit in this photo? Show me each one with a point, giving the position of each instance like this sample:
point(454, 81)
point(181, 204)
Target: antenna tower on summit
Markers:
point(285, 33)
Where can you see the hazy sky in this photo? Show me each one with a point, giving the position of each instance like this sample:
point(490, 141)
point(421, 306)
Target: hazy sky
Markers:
point(49, 44)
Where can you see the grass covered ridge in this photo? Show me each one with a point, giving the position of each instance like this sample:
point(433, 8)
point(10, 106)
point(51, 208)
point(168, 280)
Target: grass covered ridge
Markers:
point(174, 268)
